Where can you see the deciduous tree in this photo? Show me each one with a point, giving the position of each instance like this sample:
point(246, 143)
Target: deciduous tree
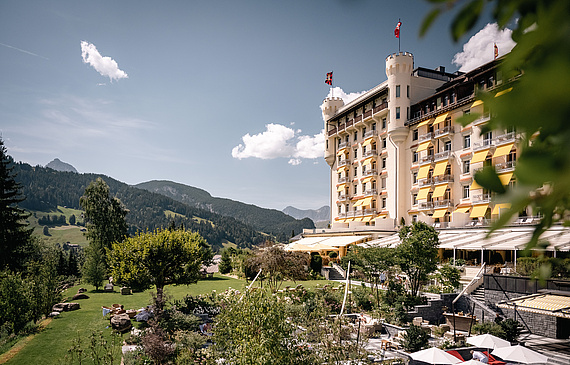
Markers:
point(158, 258)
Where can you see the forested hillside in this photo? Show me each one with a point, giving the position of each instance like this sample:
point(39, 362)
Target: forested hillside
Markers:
point(270, 221)
point(45, 189)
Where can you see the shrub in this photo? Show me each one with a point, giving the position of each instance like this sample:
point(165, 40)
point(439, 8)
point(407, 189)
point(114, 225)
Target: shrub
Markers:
point(415, 338)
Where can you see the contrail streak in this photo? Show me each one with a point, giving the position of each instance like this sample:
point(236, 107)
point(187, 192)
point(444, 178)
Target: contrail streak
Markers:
point(24, 51)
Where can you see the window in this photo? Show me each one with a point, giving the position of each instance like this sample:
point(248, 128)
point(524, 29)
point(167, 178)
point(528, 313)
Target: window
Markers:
point(408, 112)
point(466, 166)
point(355, 136)
point(415, 157)
point(383, 142)
point(438, 103)
point(414, 178)
point(445, 100)
point(397, 112)
point(465, 191)
point(447, 146)
point(339, 175)
point(467, 141)
point(373, 126)
point(383, 203)
point(414, 199)
point(397, 91)
point(452, 97)
point(384, 123)
point(355, 171)
point(415, 135)
point(384, 162)
point(383, 183)
point(363, 132)
point(408, 91)
point(327, 144)
point(414, 218)
point(364, 187)
point(355, 189)
point(356, 151)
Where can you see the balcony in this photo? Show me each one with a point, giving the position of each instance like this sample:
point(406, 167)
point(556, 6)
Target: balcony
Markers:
point(446, 203)
point(428, 158)
point(370, 134)
point(443, 131)
point(482, 198)
point(486, 143)
point(505, 166)
point(442, 179)
point(425, 206)
point(370, 153)
point(342, 163)
point(370, 192)
point(343, 180)
point(368, 211)
point(342, 197)
point(371, 172)
point(367, 114)
point(425, 137)
point(343, 145)
point(442, 156)
point(332, 132)
point(505, 138)
point(380, 107)
point(483, 119)
point(425, 182)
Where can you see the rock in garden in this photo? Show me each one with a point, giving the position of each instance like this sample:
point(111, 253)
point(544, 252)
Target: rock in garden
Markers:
point(121, 322)
point(54, 314)
point(126, 291)
point(80, 296)
point(81, 290)
point(65, 307)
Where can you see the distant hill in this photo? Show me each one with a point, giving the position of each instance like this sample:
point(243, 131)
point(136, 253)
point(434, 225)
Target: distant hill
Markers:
point(270, 221)
point(45, 189)
point(316, 215)
point(59, 165)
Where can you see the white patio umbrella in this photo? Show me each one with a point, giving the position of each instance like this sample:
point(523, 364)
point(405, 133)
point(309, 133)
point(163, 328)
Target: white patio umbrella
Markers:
point(520, 354)
point(488, 341)
point(434, 356)
point(472, 362)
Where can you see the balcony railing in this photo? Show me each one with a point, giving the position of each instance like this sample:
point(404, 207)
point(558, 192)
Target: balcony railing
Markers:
point(380, 107)
point(370, 153)
point(367, 114)
point(442, 203)
point(342, 163)
point(425, 205)
point(481, 198)
point(425, 137)
point(505, 166)
point(484, 118)
point(332, 131)
point(486, 143)
point(343, 179)
point(343, 145)
point(426, 158)
point(443, 131)
point(505, 138)
point(370, 192)
point(425, 182)
point(371, 172)
point(442, 179)
point(370, 134)
point(440, 225)
point(342, 197)
point(442, 155)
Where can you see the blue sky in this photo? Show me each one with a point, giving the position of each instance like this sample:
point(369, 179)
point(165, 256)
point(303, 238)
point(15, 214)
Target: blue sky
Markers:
point(220, 95)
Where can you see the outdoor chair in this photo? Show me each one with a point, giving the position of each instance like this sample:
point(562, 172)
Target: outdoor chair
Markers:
point(492, 360)
point(456, 354)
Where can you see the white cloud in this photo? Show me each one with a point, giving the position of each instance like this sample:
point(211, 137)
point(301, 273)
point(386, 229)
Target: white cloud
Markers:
point(279, 141)
point(479, 49)
point(106, 66)
point(338, 92)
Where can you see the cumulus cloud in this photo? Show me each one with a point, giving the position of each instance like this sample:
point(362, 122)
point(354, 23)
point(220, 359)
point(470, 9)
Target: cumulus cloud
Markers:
point(479, 49)
point(338, 92)
point(279, 141)
point(105, 65)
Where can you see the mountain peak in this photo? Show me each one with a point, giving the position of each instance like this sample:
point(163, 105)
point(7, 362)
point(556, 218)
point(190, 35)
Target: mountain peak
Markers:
point(59, 165)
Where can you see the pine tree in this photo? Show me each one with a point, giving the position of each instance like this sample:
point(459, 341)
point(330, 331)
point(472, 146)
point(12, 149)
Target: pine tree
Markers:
point(15, 236)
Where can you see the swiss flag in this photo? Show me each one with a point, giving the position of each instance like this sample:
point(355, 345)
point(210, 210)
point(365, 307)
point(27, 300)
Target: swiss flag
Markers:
point(328, 80)
point(397, 30)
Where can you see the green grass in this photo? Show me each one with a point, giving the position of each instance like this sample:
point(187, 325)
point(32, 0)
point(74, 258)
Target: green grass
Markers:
point(60, 234)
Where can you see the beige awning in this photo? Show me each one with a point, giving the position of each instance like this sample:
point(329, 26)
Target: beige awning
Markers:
point(367, 142)
point(439, 191)
point(366, 201)
point(423, 146)
point(367, 179)
point(498, 207)
point(461, 210)
point(439, 213)
point(423, 171)
point(503, 150)
point(342, 168)
point(341, 151)
point(475, 186)
point(440, 167)
point(440, 118)
point(479, 211)
point(423, 193)
point(425, 122)
point(476, 103)
point(503, 92)
point(341, 187)
point(479, 156)
point(505, 178)
point(367, 219)
point(367, 161)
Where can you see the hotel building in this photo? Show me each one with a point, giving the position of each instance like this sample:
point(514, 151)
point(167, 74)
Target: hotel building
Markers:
point(397, 153)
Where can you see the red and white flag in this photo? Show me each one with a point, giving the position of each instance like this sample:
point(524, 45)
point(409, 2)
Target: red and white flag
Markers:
point(496, 50)
point(328, 80)
point(397, 30)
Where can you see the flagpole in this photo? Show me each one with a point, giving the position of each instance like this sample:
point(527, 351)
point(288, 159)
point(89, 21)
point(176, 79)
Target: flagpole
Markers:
point(399, 32)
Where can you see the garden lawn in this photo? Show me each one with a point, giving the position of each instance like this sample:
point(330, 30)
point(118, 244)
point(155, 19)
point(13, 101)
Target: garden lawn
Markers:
point(50, 345)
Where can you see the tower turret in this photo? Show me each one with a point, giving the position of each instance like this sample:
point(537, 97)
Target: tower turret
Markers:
point(329, 108)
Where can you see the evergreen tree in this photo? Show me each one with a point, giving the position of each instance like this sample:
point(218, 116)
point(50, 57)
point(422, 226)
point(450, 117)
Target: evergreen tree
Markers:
point(15, 242)
point(225, 265)
point(72, 219)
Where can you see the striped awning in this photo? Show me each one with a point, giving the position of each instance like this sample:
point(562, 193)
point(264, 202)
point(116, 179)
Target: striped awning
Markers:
point(503, 150)
point(423, 193)
point(505, 178)
point(440, 118)
point(479, 156)
point(423, 146)
point(439, 191)
point(423, 171)
point(440, 167)
point(425, 122)
point(479, 211)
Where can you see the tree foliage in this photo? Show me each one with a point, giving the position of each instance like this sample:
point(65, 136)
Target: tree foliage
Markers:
point(278, 265)
point(537, 107)
point(417, 254)
point(158, 258)
point(15, 237)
